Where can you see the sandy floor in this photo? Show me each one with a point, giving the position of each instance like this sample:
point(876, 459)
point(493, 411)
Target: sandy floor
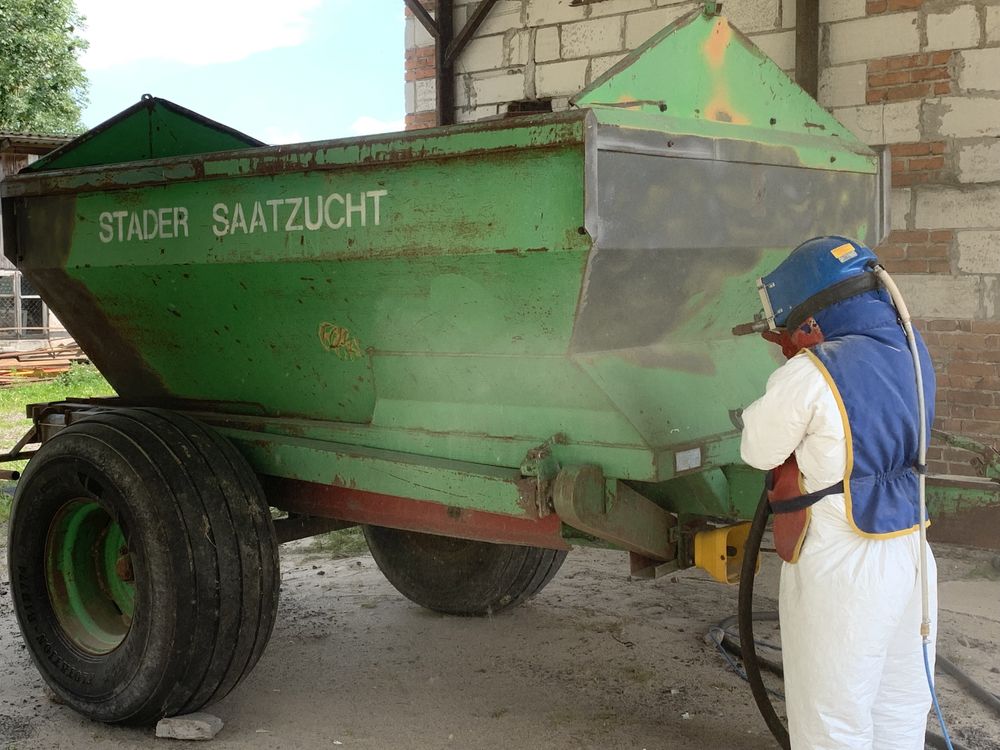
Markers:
point(595, 661)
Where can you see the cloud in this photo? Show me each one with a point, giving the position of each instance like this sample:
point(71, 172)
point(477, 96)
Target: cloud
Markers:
point(276, 135)
point(195, 32)
point(366, 125)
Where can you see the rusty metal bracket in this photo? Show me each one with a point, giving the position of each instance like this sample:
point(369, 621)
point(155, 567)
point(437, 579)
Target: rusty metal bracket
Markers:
point(986, 460)
point(645, 568)
point(613, 511)
point(426, 20)
point(298, 526)
point(540, 465)
point(47, 419)
point(17, 454)
point(468, 31)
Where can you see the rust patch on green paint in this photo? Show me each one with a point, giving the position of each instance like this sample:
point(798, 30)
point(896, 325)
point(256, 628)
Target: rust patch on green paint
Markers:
point(718, 42)
point(339, 340)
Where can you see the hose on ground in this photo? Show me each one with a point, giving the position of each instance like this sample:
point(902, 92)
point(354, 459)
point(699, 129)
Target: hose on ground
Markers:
point(746, 646)
point(985, 696)
point(745, 616)
point(729, 640)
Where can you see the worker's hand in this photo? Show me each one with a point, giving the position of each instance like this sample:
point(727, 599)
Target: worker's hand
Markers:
point(788, 347)
point(808, 334)
point(792, 342)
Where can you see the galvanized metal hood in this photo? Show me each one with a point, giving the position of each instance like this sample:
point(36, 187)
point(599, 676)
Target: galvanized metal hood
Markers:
point(700, 76)
point(152, 128)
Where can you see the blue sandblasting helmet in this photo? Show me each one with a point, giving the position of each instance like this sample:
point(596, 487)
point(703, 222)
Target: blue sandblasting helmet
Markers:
point(816, 274)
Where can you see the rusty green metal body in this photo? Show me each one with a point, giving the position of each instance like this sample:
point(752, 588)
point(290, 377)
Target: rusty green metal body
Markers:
point(453, 316)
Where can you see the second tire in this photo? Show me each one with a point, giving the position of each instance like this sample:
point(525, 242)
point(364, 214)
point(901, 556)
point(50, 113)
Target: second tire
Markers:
point(461, 576)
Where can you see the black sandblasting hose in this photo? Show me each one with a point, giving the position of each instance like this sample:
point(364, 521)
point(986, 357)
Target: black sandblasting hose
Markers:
point(748, 646)
point(985, 696)
point(731, 642)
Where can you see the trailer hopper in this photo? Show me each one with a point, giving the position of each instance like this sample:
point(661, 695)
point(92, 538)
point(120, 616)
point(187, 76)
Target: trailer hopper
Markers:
point(483, 342)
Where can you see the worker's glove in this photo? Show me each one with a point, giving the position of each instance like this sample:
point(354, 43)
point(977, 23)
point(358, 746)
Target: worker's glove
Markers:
point(806, 335)
point(782, 339)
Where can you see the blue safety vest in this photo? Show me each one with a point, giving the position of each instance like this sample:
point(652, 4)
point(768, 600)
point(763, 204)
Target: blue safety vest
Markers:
point(866, 361)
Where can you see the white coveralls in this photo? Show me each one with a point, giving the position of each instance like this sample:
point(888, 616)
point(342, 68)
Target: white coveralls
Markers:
point(850, 608)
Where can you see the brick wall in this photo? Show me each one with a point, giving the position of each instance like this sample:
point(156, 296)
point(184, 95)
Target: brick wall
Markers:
point(920, 76)
point(419, 64)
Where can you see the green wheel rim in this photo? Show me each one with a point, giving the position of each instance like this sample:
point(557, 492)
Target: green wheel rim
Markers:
point(88, 572)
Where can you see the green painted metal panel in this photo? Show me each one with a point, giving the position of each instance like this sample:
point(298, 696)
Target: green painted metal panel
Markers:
point(960, 496)
point(629, 462)
point(541, 131)
point(459, 484)
point(701, 76)
point(298, 323)
point(152, 129)
point(527, 204)
point(383, 151)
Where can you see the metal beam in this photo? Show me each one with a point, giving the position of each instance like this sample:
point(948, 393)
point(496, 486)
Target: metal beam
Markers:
point(457, 484)
point(301, 527)
point(355, 506)
point(418, 10)
point(964, 511)
point(445, 83)
point(469, 30)
point(614, 512)
point(807, 45)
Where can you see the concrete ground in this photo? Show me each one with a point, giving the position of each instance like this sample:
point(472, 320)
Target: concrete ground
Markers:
point(595, 661)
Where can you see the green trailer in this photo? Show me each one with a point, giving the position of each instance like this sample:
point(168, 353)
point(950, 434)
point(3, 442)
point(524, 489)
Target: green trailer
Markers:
point(484, 343)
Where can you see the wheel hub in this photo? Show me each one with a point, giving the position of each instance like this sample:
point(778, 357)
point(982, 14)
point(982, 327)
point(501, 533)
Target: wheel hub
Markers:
point(89, 576)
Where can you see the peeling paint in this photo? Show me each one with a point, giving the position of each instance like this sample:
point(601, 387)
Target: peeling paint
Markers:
point(718, 42)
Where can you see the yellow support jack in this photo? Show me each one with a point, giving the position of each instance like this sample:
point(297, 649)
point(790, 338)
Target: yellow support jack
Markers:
point(720, 551)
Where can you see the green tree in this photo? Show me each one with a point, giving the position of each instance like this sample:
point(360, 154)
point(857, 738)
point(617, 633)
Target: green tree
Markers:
point(42, 85)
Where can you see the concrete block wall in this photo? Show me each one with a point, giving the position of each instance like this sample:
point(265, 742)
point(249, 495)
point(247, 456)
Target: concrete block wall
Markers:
point(919, 76)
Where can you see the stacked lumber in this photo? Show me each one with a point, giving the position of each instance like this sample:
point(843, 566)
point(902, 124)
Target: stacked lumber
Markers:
point(43, 363)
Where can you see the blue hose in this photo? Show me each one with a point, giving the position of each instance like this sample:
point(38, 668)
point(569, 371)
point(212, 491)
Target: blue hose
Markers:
point(937, 708)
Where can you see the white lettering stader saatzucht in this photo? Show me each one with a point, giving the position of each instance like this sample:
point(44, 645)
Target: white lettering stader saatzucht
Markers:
point(144, 224)
point(297, 214)
point(307, 213)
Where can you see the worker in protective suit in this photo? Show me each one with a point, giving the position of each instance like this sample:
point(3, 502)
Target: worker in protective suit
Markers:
point(838, 425)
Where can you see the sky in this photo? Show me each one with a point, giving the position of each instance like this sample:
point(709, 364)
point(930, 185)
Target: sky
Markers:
point(282, 71)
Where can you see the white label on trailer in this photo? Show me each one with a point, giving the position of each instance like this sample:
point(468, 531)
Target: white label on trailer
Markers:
point(687, 460)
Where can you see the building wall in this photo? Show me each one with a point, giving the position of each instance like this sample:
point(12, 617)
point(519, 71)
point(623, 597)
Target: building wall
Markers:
point(10, 163)
point(12, 339)
point(921, 76)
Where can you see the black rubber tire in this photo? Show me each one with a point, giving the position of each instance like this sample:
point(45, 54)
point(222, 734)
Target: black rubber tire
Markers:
point(461, 576)
point(203, 554)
